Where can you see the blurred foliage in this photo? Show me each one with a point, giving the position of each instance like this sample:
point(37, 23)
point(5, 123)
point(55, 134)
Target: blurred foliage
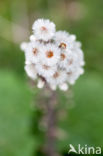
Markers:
point(83, 123)
point(14, 116)
point(19, 131)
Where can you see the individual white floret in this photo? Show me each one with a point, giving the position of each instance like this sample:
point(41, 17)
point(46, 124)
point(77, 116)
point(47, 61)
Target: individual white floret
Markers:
point(78, 51)
point(28, 53)
point(43, 29)
point(69, 61)
point(64, 58)
point(40, 83)
point(77, 44)
point(32, 53)
point(45, 71)
point(59, 35)
point(36, 52)
point(80, 56)
point(58, 78)
point(73, 76)
point(64, 40)
point(31, 71)
point(72, 62)
point(50, 55)
point(27, 48)
point(63, 86)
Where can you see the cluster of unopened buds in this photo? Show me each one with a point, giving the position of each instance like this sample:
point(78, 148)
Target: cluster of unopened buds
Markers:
point(53, 57)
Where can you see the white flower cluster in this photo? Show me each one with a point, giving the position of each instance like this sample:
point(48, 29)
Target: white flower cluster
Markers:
point(52, 57)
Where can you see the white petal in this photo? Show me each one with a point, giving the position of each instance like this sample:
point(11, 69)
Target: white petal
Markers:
point(40, 84)
point(32, 38)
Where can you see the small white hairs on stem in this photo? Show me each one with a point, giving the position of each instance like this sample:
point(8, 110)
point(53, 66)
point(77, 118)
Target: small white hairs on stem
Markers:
point(52, 57)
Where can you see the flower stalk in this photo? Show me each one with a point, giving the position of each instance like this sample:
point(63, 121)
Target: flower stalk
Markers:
point(51, 123)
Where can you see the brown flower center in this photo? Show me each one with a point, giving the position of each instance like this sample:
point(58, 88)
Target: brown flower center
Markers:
point(62, 56)
point(49, 54)
point(46, 67)
point(43, 28)
point(35, 51)
point(62, 45)
point(56, 75)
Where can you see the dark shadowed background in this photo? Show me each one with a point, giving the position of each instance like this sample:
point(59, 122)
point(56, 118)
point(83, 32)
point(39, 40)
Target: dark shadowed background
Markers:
point(81, 108)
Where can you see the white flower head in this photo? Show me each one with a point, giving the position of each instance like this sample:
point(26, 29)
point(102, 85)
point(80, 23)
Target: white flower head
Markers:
point(44, 29)
point(52, 57)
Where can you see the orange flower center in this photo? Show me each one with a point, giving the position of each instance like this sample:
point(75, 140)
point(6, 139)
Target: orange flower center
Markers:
point(49, 54)
point(62, 45)
point(56, 75)
point(62, 56)
point(35, 51)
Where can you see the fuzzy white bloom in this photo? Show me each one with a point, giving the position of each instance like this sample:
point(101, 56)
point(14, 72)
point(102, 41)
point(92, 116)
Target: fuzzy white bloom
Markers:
point(64, 40)
point(58, 77)
point(27, 47)
point(44, 29)
point(53, 57)
point(74, 75)
point(45, 70)
point(32, 52)
point(50, 54)
point(64, 58)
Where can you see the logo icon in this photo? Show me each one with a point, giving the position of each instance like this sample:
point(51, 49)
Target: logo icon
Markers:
point(72, 149)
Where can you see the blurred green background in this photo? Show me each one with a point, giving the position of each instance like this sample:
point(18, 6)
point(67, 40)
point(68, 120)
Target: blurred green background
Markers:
point(81, 117)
